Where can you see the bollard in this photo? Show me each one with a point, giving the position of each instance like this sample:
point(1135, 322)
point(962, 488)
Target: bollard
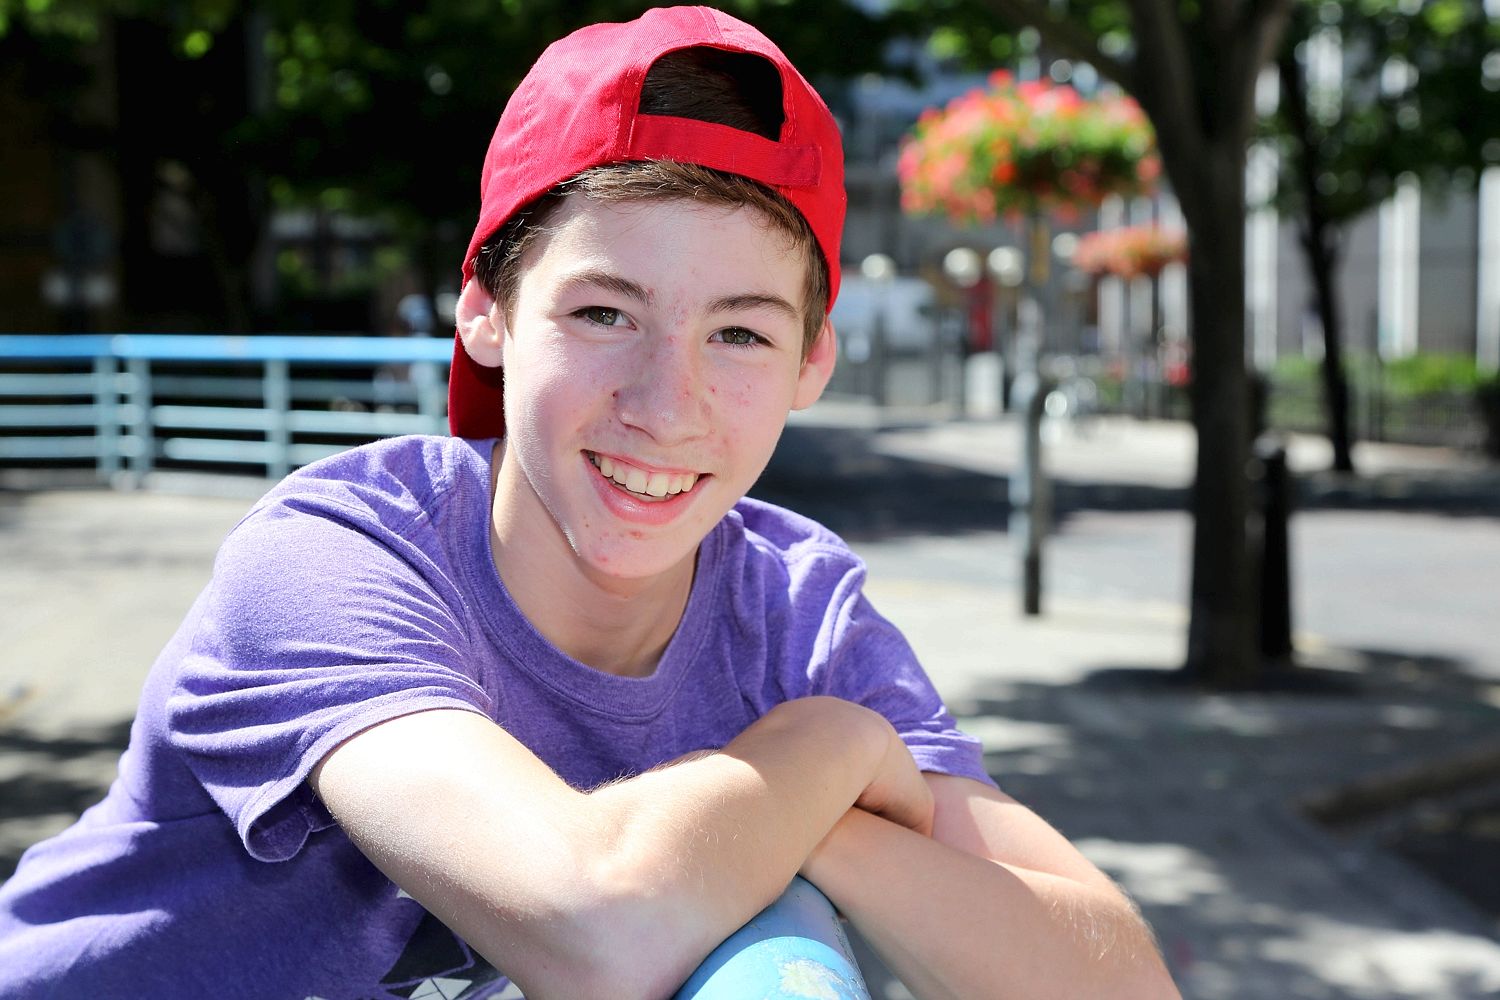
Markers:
point(1487, 398)
point(794, 948)
point(879, 360)
point(1272, 548)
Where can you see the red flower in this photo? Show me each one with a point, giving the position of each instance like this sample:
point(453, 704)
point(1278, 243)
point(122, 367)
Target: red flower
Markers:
point(1130, 251)
point(1019, 148)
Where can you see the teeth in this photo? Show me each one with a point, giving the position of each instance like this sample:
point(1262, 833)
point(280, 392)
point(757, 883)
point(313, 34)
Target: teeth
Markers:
point(655, 484)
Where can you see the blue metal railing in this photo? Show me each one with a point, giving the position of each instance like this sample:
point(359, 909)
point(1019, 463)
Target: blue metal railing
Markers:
point(129, 402)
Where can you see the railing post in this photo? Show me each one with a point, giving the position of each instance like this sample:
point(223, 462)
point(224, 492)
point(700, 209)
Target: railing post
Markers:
point(432, 394)
point(106, 417)
point(278, 398)
point(143, 443)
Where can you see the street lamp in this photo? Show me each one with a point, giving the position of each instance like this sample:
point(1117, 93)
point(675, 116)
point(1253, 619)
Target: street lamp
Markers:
point(878, 269)
point(1007, 265)
point(1030, 495)
point(1069, 322)
point(964, 267)
point(1008, 268)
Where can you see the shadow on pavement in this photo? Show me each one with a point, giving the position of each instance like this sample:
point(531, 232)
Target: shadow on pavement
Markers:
point(1196, 802)
point(1252, 825)
point(1389, 753)
point(838, 477)
point(49, 780)
point(841, 477)
point(1453, 495)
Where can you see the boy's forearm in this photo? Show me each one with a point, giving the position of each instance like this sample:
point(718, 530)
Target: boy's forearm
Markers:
point(953, 925)
point(681, 856)
point(622, 891)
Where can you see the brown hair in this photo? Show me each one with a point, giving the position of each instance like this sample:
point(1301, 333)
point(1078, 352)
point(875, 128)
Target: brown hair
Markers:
point(727, 88)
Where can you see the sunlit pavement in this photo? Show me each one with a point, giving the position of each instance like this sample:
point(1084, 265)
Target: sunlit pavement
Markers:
point(1198, 803)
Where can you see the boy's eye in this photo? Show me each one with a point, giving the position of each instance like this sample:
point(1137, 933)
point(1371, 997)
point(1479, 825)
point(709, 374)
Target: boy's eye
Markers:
point(602, 315)
point(738, 336)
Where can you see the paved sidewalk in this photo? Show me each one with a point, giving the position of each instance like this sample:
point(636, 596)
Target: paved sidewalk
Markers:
point(1197, 802)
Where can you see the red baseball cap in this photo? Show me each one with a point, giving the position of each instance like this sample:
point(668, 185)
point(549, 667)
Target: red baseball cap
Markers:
point(578, 108)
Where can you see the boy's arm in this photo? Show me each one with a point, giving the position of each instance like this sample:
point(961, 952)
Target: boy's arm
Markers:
point(622, 891)
point(995, 904)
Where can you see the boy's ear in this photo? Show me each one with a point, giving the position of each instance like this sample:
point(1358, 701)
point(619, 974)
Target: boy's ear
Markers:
point(481, 324)
point(817, 369)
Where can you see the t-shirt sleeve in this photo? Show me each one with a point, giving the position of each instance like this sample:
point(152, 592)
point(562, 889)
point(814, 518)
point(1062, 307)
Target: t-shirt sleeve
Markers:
point(313, 628)
point(869, 661)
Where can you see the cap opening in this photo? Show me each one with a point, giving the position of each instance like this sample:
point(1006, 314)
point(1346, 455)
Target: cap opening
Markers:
point(737, 89)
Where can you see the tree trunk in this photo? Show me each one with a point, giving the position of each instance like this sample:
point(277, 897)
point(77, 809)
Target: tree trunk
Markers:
point(1194, 71)
point(1318, 238)
point(1222, 649)
point(1321, 257)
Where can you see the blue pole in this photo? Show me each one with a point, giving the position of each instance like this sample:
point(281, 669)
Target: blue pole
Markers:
point(794, 949)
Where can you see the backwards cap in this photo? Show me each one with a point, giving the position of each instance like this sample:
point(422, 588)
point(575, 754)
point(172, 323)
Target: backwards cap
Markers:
point(578, 108)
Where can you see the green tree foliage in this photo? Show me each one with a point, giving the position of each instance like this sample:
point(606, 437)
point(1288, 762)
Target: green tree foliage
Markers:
point(1373, 90)
point(1419, 94)
point(378, 108)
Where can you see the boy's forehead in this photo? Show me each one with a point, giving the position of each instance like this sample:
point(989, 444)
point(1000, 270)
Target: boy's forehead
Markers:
point(638, 246)
point(616, 222)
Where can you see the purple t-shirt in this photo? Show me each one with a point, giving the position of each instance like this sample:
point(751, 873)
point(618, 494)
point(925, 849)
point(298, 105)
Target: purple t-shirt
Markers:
point(360, 589)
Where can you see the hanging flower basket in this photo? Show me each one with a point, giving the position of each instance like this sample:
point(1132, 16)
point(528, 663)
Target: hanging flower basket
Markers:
point(1130, 251)
point(1025, 149)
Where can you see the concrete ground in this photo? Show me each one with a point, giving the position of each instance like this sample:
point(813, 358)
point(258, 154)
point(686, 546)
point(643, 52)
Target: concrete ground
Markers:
point(1275, 840)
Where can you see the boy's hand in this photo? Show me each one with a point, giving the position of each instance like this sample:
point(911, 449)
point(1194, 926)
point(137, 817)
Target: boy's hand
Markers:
point(894, 788)
point(995, 903)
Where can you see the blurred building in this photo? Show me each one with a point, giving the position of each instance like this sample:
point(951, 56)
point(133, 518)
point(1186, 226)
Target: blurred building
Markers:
point(1421, 273)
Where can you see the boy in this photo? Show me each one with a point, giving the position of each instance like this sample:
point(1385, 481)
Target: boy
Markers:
point(549, 697)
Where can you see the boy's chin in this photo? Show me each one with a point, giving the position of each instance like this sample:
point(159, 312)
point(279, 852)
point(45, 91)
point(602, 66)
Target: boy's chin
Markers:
point(642, 563)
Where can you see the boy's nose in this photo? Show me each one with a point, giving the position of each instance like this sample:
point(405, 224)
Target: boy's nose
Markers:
point(664, 393)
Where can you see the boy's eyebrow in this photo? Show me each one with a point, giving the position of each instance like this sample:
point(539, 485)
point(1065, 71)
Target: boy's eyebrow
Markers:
point(597, 278)
point(755, 300)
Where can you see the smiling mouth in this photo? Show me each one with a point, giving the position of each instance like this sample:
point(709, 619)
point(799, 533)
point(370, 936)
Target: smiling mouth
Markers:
point(639, 481)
